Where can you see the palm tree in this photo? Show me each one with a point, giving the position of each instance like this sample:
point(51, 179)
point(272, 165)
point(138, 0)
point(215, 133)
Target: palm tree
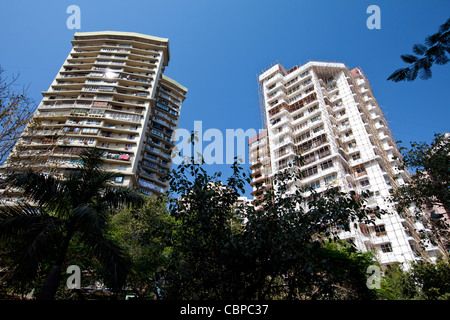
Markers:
point(60, 211)
point(435, 50)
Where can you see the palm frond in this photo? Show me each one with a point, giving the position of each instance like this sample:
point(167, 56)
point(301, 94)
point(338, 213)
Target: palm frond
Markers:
point(22, 217)
point(425, 73)
point(33, 235)
point(419, 49)
point(442, 58)
point(432, 40)
point(42, 189)
point(83, 187)
point(118, 196)
point(91, 159)
point(408, 58)
point(90, 218)
point(399, 75)
point(445, 27)
point(425, 63)
point(413, 72)
point(434, 51)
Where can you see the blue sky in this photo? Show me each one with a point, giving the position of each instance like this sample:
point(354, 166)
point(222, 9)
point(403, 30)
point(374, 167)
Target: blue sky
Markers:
point(219, 47)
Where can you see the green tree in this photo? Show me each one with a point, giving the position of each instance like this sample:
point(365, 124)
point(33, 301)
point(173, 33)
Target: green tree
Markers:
point(286, 245)
point(430, 183)
point(60, 212)
point(204, 212)
point(423, 281)
point(145, 233)
point(397, 284)
point(16, 109)
point(433, 279)
point(435, 51)
point(280, 252)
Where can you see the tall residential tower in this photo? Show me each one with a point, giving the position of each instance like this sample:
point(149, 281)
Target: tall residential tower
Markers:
point(110, 93)
point(327, 114)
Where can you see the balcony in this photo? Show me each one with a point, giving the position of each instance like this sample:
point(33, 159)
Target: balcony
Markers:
point(260, 179)
point(359, 175)
point(110, 50)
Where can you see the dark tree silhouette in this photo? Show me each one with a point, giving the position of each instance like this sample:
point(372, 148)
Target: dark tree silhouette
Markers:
point(59, 211)
point(435, 51)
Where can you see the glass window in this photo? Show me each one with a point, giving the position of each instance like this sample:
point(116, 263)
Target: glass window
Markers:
point(386, 247)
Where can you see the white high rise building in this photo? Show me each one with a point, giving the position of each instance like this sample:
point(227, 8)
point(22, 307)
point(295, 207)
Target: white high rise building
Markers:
point(327, 114)
point(110, 93)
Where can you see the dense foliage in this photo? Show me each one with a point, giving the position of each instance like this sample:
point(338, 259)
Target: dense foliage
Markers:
point(197, 242)
point(58, 215)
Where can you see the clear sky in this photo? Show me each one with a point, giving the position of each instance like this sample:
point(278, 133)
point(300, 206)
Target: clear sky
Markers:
point(219, 47)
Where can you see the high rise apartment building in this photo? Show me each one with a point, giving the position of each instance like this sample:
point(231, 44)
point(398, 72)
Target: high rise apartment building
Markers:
point(327, 114)
point(110, 93)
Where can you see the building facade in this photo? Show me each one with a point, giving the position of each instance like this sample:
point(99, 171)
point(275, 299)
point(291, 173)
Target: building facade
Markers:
point(110, 93)
point(259, 151)
point(327, 114)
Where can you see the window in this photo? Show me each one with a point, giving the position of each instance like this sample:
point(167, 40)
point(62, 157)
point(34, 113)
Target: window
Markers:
point(380, 230)
point(312, 109)
point(327, 164)
point(330, 179)
point(314, 185)
point(157, 132)
point(365, 183)
point(302, 137)
point(149, 164)
point(356, 156)
point(323, 152)
point(386, 247)
point(165, 108)
point(298, 116)
point(118, 179)
point(89, 130)
point(318, 129)
point(106, 88)
point(309, 172)
point(282, 164)
point(144, 191)
point(86, 141)
point(309, 158)
point(360, 171)
point(314, 119)
point(346, 123)
point(93, 122)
